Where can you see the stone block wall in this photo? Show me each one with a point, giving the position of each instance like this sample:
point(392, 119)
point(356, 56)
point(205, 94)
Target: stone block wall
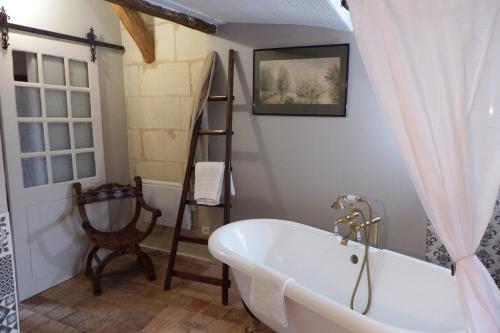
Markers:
point(159, 99)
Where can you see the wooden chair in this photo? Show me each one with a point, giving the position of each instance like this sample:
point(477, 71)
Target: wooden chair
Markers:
point(123, 241)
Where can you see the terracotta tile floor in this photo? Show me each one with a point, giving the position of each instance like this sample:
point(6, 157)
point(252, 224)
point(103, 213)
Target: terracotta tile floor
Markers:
point(131, 303)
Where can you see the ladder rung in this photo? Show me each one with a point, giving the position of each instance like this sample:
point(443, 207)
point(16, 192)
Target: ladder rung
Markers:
point(218, 98)
point(194, 203)
point(195, 240)
point(194, 166)
point(211, 132)
point(198, 278)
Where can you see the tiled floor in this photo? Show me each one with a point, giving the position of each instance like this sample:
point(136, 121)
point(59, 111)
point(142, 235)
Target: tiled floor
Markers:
point(131, 303)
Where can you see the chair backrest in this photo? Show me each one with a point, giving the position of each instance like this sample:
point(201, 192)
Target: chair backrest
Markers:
point(106, 192)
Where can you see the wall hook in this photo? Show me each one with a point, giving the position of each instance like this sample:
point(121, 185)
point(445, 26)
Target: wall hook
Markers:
point(4, 28)
point(91, 37)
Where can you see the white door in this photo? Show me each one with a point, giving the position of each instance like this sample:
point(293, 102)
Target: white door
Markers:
point(51, 124)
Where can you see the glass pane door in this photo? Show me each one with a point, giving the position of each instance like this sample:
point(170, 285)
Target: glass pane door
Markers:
point(55, 119)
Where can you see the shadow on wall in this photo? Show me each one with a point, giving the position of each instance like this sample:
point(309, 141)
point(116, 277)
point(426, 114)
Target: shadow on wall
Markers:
point(217, 112)
point(293, 167)
point(258, 155)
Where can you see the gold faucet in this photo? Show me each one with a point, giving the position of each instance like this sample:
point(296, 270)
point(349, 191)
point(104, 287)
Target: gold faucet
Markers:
point(351, 219)
point(354, 227)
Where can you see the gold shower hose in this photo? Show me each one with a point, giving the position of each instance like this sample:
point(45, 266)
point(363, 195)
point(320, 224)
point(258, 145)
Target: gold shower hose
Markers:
point(366, 232)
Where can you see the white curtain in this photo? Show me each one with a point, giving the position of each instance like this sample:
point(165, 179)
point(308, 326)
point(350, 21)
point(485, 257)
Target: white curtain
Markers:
point(435, 68)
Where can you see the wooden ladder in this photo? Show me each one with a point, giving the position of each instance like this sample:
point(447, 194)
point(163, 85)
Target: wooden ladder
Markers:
point(227, 132)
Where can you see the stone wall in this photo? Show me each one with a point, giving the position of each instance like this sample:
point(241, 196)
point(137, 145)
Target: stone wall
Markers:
point(159, 99)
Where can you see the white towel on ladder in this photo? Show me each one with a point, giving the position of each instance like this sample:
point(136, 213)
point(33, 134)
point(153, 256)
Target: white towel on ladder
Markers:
point(208, 183)
point(267, 294)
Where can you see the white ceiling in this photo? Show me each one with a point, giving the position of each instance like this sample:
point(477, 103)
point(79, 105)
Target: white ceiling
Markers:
point(321, 13)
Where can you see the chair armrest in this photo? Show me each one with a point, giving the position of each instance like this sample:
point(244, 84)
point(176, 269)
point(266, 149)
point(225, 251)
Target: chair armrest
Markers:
point(88, 228)
point(86, 225)
point(147, 207)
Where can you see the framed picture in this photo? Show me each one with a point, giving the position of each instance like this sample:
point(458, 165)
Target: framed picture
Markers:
point(301, 81)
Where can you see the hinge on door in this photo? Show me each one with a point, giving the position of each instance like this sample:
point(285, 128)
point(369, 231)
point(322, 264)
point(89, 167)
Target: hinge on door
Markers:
point(4, 28)
point(91, 37)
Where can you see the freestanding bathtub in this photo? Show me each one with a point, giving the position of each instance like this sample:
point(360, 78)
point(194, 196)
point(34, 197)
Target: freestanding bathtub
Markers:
point(409, 295)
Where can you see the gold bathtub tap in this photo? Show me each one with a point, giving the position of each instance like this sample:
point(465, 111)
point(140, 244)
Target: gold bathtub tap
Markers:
point(349, 220)
point(367, 221)
point(355, 226)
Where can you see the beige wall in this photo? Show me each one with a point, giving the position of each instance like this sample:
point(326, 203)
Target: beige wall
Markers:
point(159, 99)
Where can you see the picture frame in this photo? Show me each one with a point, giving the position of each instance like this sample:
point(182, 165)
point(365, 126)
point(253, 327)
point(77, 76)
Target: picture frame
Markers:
point(301, 81)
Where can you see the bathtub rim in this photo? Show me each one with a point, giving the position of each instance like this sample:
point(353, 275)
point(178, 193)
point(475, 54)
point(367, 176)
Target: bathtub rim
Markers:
point(314, 301)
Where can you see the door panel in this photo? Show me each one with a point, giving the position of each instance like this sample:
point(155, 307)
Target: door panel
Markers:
point(51, 124)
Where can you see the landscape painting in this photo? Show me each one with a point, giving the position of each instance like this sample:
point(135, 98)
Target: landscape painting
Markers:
point(300, 81)
point(306, 81)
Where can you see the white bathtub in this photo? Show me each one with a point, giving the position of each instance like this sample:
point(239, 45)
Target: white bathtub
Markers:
point(409, 295)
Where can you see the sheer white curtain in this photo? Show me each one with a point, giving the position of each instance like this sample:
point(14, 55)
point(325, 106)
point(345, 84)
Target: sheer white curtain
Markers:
point(435, 68)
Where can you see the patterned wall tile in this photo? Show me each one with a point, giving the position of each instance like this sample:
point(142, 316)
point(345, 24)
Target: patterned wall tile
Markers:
point(8, 299)
point(5, 235)
point(488, 251)
point(7, 283)
point(8, 314)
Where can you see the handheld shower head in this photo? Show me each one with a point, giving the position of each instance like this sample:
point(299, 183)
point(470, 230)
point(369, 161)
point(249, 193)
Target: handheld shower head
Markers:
point(349, 198)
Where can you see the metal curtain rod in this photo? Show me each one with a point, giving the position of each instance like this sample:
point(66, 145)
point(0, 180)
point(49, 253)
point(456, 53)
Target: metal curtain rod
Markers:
point(59, 35)
point(91, 39)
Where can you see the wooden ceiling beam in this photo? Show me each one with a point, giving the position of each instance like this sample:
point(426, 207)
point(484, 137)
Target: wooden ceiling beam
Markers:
point(137, 28)
point(149, 8)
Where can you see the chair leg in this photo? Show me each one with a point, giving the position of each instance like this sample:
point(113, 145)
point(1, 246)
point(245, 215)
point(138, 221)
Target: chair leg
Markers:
point(96, 276)
point(90, 257)
point(144, 260)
